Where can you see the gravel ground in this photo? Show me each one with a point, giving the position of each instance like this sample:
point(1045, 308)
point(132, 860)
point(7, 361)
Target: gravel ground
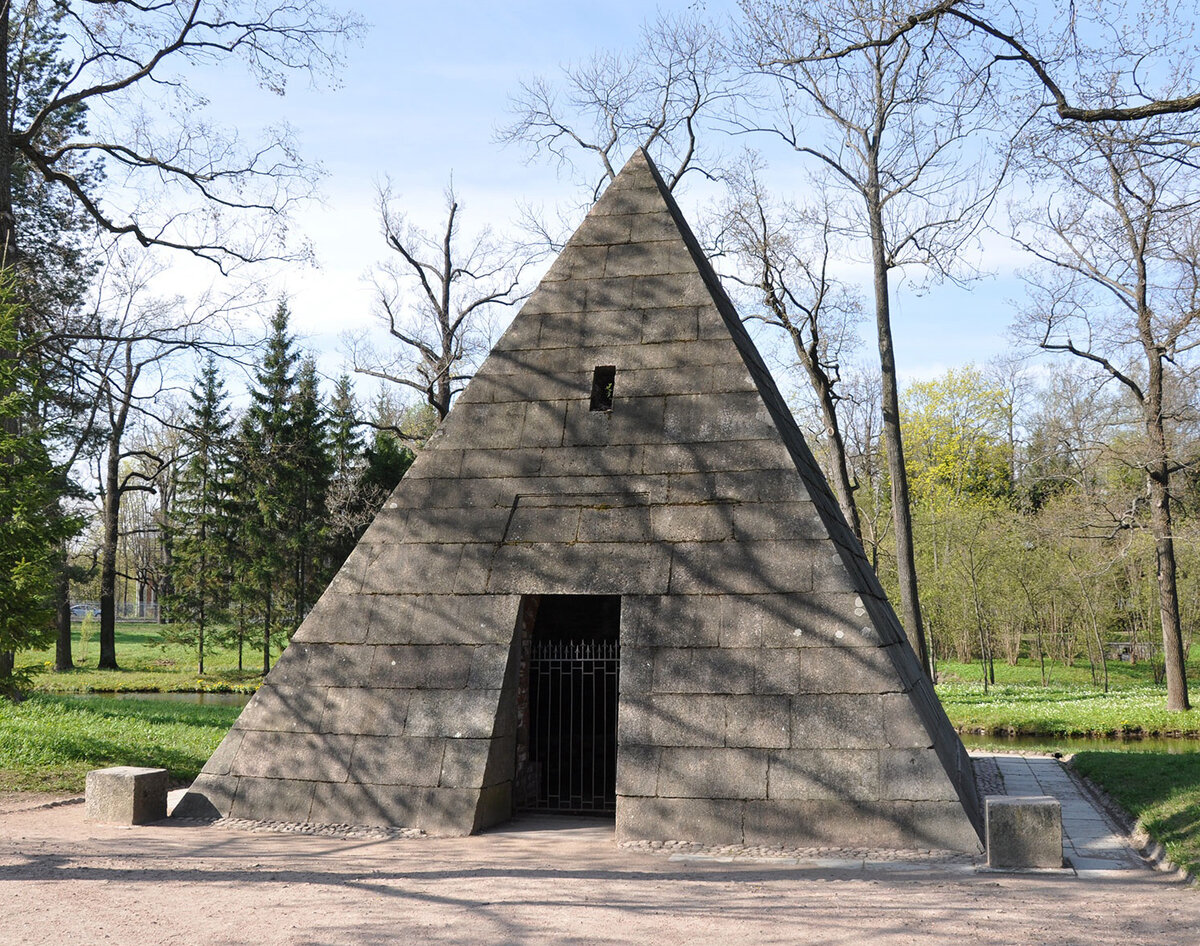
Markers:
point(537, 880)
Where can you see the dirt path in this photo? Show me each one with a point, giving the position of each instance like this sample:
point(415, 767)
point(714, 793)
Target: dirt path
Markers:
point(65, 881)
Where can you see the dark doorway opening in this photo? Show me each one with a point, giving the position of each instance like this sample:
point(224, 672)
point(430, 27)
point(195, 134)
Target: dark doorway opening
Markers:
point(567, 704)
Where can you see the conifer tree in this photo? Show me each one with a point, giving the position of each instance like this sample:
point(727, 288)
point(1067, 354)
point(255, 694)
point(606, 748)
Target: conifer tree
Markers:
point(309, 470)
point(265, 481)
point(200, 526)
point(30, 530)
point(348, 505)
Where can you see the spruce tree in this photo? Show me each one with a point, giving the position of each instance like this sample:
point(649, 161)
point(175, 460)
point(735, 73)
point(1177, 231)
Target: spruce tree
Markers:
point(200, 526)
point(348, 508)
point(31, 532)
point(310, 469)
point(266, 480)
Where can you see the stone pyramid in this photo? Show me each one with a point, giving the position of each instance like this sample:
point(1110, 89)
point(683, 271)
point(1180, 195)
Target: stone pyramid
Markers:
point(623, 438)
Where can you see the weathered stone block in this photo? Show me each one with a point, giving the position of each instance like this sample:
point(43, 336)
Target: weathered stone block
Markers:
point(776, 670)
point(741, 568)
point(443, 619)
point(489, 662)
point(693, 522)
point(430, 524)
point(700, 417)
point(209, 797)
point(1023, 831)
point(637, 770)
point(676, 621)
point(700, 820)
point(272, 755)
point(817, 822)
point(847, 670)
point(365, 710)
point(442, 811)
point(288, 708)
point(616, 461)
point(419, 666)
point(462, 763)
point(914, 775)
point(669, 325)
point(830, 572)
point(672, 720)
point(825, 620)
point(126, 794)
point(584, 568)
point(411, 569)
point(495, 805)
point(456, 713)
point(544, 424)
point(758, 721)
point(902, 724)
point(943, 825)
point(662, 257)
point(712, 773)
point(601, 522)
point(578, 261)
point(604, 229)
point(220, 761)
point(837, 721)
point(397, 760)
point(636, 673)
point(777, 521)
point(336, 619)
point(824, 773)
point(703, 670)
point(758, 486)
point(275, 799)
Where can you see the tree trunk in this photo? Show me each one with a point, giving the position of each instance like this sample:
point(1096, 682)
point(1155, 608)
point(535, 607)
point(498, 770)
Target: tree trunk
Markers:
point(1168, 593)
point(62, 608)
point(906, 568)
point(8, 223)
point(842, 486)
point(8, 661)
point(108, 561)
point(267, 638)
point(1158, 473)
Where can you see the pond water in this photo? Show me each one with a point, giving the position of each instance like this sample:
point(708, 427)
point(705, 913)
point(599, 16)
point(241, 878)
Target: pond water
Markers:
point(199, 699)
point(1080, 743)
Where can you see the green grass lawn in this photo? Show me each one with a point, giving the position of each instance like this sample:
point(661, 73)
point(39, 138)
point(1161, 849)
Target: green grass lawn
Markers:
point(146, 665)
point(1162, 791)
point(1071, 705)
point(48, 743)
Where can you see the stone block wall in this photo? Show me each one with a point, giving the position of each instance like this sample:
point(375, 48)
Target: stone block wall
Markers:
point(766, 688)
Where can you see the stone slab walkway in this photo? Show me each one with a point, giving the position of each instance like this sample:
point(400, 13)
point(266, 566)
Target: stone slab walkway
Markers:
point(1092, 843)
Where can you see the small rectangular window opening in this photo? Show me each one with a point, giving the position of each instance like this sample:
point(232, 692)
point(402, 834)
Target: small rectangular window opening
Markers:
point(602, 387)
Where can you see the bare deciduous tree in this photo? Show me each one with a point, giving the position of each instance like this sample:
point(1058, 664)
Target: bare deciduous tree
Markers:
point(784, 254)
point(126, 358)
point(185, 183)
point(1120, 290)
point(657, 97)
point(434, 300)
point(1069, 50)
point(896, 123)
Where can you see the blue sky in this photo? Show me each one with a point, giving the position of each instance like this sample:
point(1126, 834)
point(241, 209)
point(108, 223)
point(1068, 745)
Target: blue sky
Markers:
point(421, 99)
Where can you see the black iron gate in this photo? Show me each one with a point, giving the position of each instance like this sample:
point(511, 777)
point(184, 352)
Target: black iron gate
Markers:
point(573, 724)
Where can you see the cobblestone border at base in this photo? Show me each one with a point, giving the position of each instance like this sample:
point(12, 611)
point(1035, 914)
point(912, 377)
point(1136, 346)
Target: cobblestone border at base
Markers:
point(804, 853)
point(356, 832)
point(45, 805)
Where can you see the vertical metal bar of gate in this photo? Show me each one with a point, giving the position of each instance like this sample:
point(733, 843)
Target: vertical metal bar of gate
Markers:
point(573, 740)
